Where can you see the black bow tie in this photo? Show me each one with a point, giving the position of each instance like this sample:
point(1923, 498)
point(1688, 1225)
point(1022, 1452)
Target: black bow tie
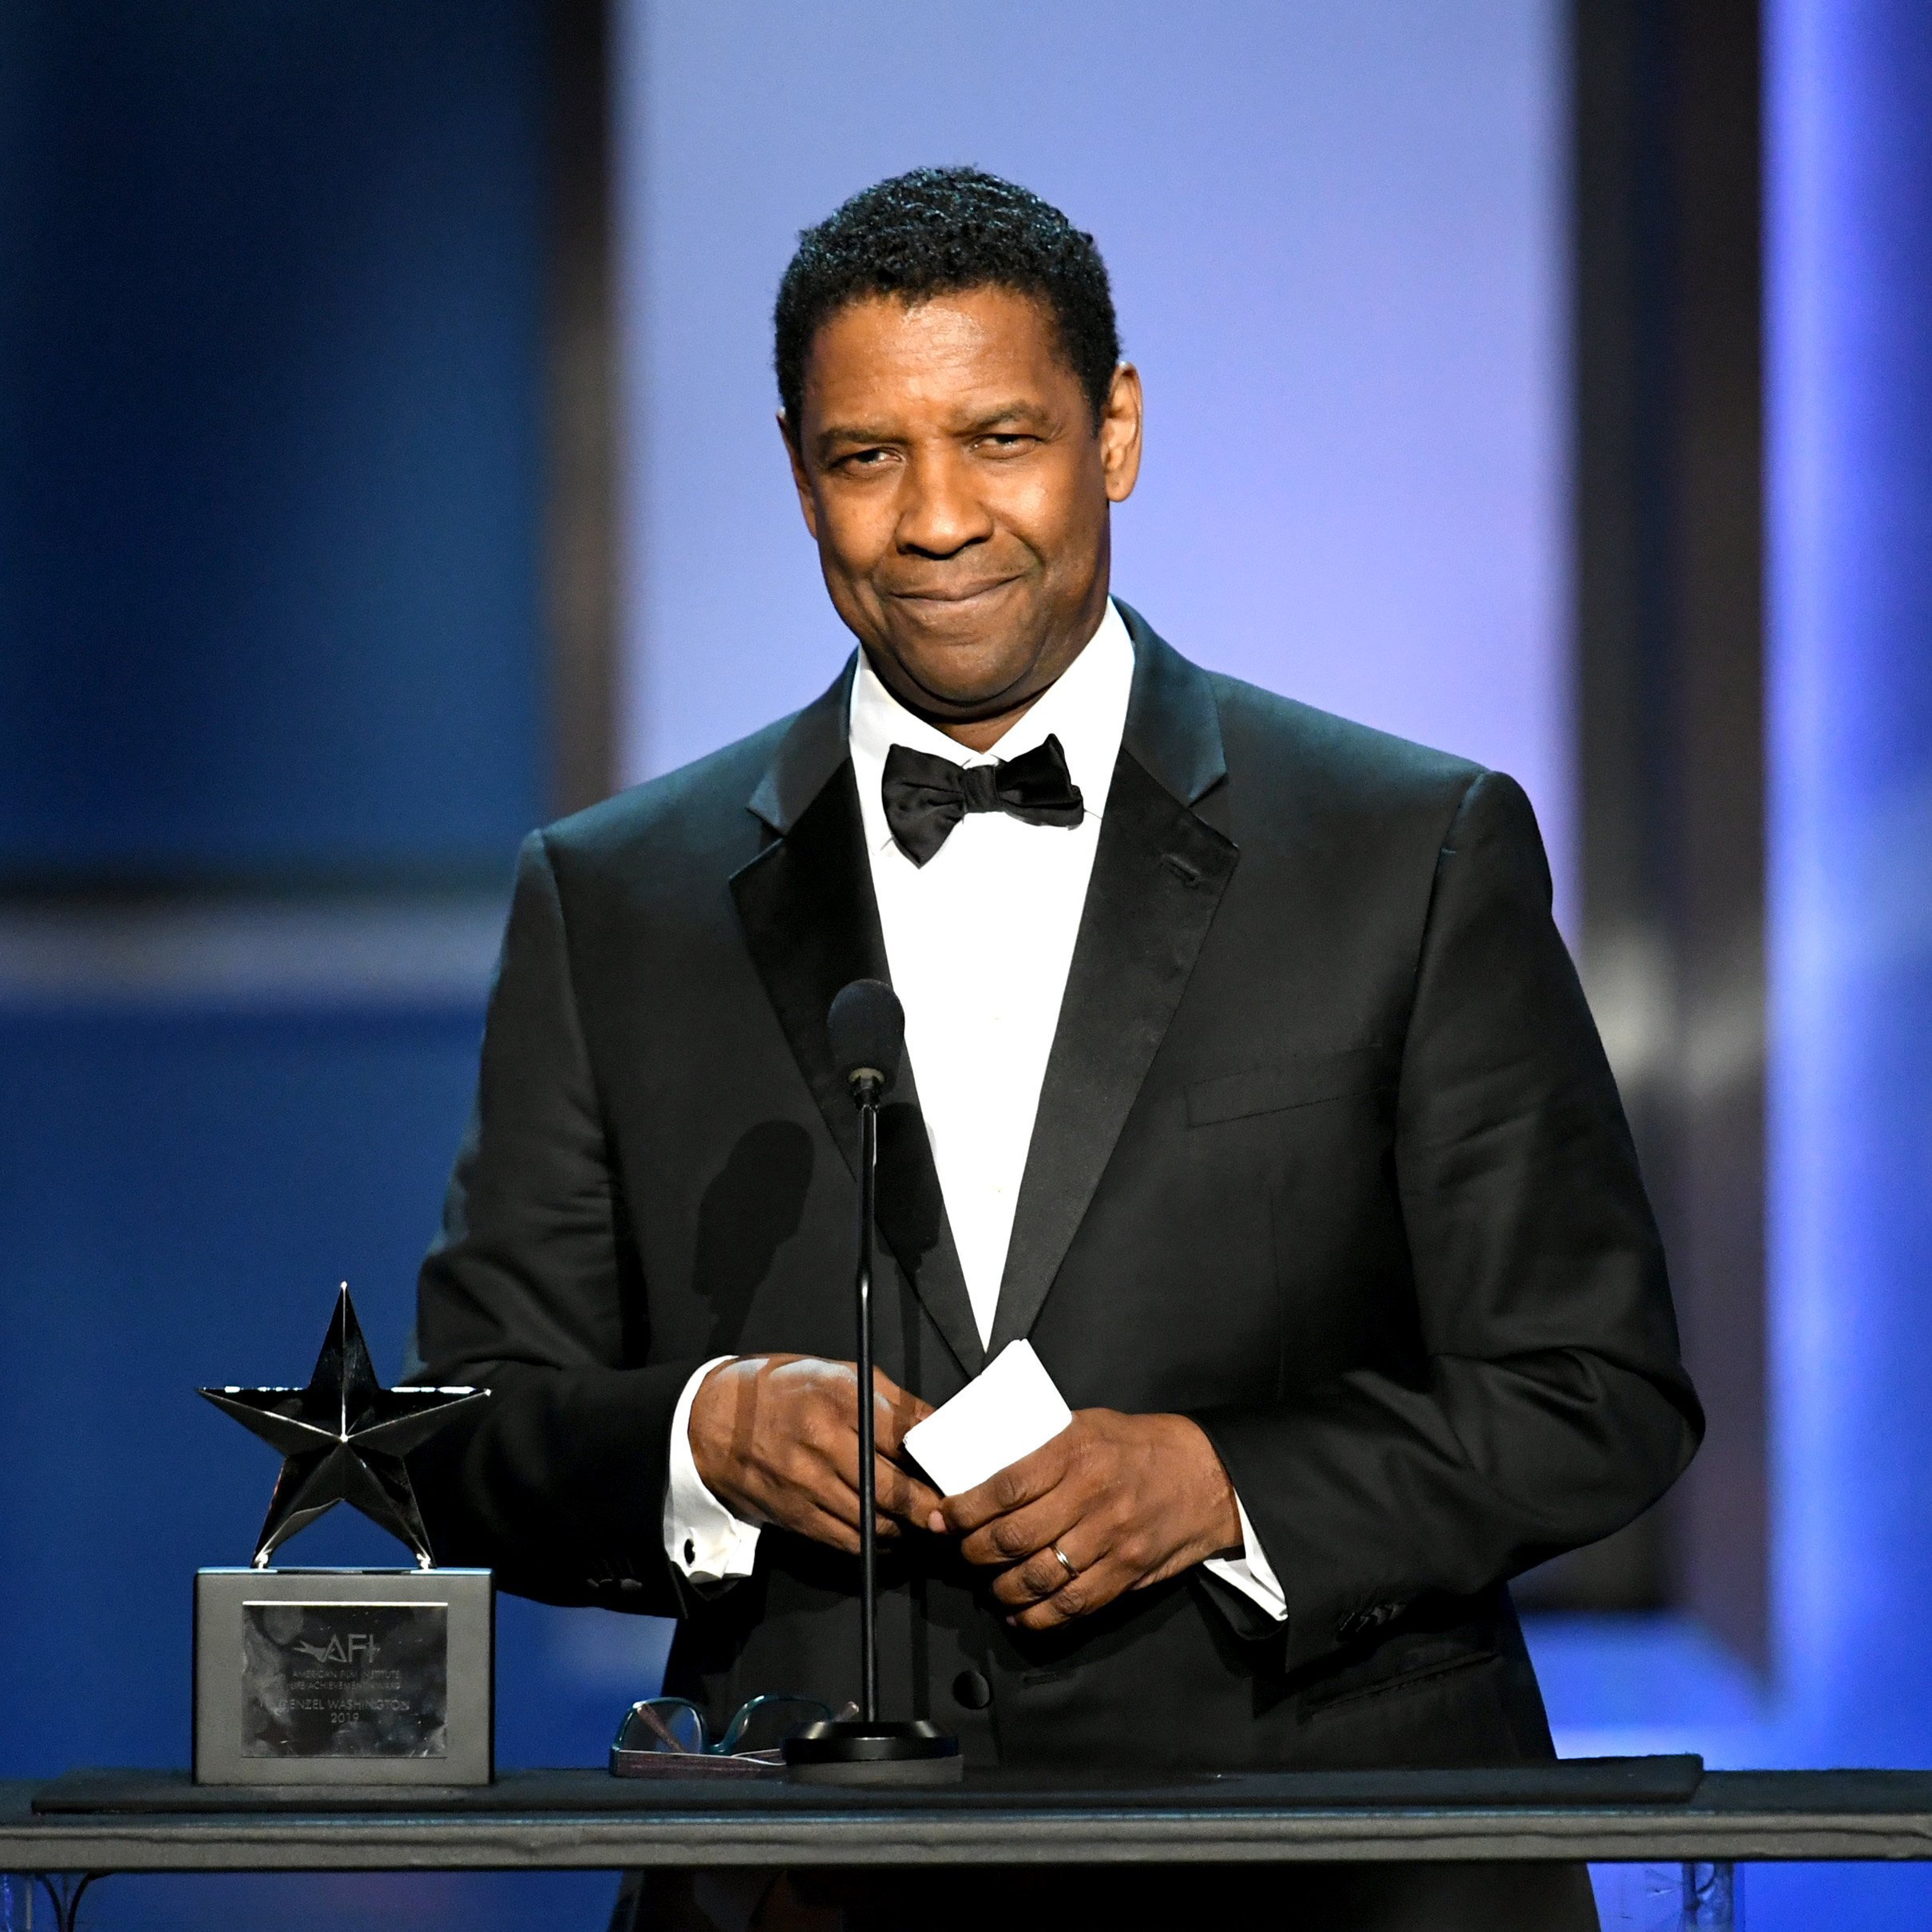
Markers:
point(926, 795)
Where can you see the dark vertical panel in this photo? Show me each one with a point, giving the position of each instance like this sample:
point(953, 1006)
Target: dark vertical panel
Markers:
point(580, 520)
point(1670, 669)
point(1718, 1211)
point(1618, 359)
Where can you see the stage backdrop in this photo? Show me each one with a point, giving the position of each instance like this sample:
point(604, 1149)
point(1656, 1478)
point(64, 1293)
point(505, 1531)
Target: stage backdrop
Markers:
point(270, 333)
point(1336, 238)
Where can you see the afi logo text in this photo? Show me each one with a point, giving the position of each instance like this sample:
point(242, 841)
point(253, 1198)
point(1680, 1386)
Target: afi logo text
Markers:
point(361, 1649)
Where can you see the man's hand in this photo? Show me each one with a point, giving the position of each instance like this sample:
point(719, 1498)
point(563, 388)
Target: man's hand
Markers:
point(776, 1438)
point(1131, 1500)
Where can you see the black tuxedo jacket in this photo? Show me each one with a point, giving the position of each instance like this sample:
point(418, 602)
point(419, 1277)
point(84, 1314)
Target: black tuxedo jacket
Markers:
point(1327, 1158)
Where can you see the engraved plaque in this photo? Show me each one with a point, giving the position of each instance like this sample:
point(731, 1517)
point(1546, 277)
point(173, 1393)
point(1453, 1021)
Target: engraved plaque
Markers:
point(345, 1680)
point(343, 1676)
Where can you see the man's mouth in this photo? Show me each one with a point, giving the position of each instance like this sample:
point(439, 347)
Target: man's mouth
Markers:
point(952, 593)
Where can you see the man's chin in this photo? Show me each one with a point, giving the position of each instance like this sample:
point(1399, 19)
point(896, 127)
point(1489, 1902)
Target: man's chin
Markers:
point(960, 693)
point(959, 677)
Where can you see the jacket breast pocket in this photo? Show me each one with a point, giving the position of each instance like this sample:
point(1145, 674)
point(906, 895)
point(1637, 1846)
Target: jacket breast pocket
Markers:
point(1300, 1080)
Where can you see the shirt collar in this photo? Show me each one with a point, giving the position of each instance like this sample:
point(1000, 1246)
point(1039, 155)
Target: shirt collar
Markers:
point(1087, 710)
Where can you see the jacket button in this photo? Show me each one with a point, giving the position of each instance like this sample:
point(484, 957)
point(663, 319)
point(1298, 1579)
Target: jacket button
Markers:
point(972, 1691)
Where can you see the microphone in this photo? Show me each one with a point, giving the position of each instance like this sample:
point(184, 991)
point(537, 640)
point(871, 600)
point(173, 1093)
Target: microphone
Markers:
point(866, 1026)
point(865, 1029)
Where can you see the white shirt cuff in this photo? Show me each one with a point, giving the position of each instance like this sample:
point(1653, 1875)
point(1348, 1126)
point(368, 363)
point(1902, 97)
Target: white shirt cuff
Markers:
point(1250, 1573)
point(708, 1542)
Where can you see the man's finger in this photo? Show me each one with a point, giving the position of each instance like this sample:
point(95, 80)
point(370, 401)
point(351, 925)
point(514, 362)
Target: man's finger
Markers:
point(835, 1499)
point(1093, 1590)
point(1012, 1538)
point(1042, 1574)
point(904, 1495)
point(896, 1411)
point(894, 1488)
point(823, 1528)
point(1013, 1488)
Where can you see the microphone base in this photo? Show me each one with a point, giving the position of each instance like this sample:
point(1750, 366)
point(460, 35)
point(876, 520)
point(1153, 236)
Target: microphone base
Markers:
point(848, 1750)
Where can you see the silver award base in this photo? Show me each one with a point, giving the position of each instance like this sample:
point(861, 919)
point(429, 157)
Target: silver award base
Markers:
point(344, 1677)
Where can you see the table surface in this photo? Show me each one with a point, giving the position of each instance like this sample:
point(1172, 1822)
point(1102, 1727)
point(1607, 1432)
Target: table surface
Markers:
point(574, 1819)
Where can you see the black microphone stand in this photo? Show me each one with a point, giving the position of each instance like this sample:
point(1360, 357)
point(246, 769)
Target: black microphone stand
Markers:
point(868, 1750)
point(867, 1092)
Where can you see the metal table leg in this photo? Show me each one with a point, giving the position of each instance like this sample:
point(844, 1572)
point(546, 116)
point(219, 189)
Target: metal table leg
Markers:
point(62, 1890)
point(1710, 1897)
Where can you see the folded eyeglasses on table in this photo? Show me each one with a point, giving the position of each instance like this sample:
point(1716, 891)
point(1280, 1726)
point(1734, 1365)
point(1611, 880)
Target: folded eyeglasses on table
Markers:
point(667, 1737)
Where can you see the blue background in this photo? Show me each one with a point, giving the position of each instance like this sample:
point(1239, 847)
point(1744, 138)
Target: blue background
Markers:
point(270, 386)
point(269, 435)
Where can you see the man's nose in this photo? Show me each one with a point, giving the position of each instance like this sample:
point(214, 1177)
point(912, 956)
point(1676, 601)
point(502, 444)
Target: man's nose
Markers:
point(940, 513)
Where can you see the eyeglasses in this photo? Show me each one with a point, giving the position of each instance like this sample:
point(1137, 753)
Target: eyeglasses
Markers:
point(667, 1737)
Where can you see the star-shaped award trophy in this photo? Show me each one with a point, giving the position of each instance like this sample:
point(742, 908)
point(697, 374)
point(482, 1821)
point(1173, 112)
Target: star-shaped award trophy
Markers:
point(344, 1677)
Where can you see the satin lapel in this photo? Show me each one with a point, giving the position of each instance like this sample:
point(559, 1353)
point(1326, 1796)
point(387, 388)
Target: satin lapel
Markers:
point(1158, 876)
point(812, 924)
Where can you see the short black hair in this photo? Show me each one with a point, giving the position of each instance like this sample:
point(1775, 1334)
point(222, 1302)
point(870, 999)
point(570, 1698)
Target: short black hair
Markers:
point(934, 232)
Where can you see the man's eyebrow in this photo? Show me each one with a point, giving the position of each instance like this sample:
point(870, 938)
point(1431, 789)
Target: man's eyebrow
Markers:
point(851, 436)
point(1003, 412)
point(860, 436)
point(854, 432)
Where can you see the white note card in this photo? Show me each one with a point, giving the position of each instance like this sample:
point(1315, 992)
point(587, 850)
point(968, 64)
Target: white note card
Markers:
point(1006, 1411)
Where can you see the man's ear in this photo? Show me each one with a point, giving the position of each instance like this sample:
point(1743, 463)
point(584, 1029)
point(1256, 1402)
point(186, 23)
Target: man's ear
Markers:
point(1120, 429)
point(805, 504)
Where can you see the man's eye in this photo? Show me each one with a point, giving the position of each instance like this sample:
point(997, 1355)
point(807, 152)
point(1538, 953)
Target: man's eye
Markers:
point(864, 459)
point(1005, 440)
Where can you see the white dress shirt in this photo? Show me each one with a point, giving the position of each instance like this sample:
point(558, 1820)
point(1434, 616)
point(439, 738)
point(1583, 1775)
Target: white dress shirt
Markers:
point(979, 942)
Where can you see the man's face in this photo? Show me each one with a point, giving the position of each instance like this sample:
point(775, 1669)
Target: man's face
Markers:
point(948, 464)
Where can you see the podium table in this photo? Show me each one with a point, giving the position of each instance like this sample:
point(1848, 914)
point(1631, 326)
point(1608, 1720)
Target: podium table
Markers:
point(1651, 1810)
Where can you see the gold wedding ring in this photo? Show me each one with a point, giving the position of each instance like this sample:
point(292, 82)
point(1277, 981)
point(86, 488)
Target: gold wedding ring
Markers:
point(1065, 1561)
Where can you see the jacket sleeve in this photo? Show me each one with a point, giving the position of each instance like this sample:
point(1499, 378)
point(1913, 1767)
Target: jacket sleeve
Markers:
point(1552, 1407)
point(532, 1290)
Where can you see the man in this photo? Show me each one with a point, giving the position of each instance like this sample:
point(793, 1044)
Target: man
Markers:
point(1248, 1078)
